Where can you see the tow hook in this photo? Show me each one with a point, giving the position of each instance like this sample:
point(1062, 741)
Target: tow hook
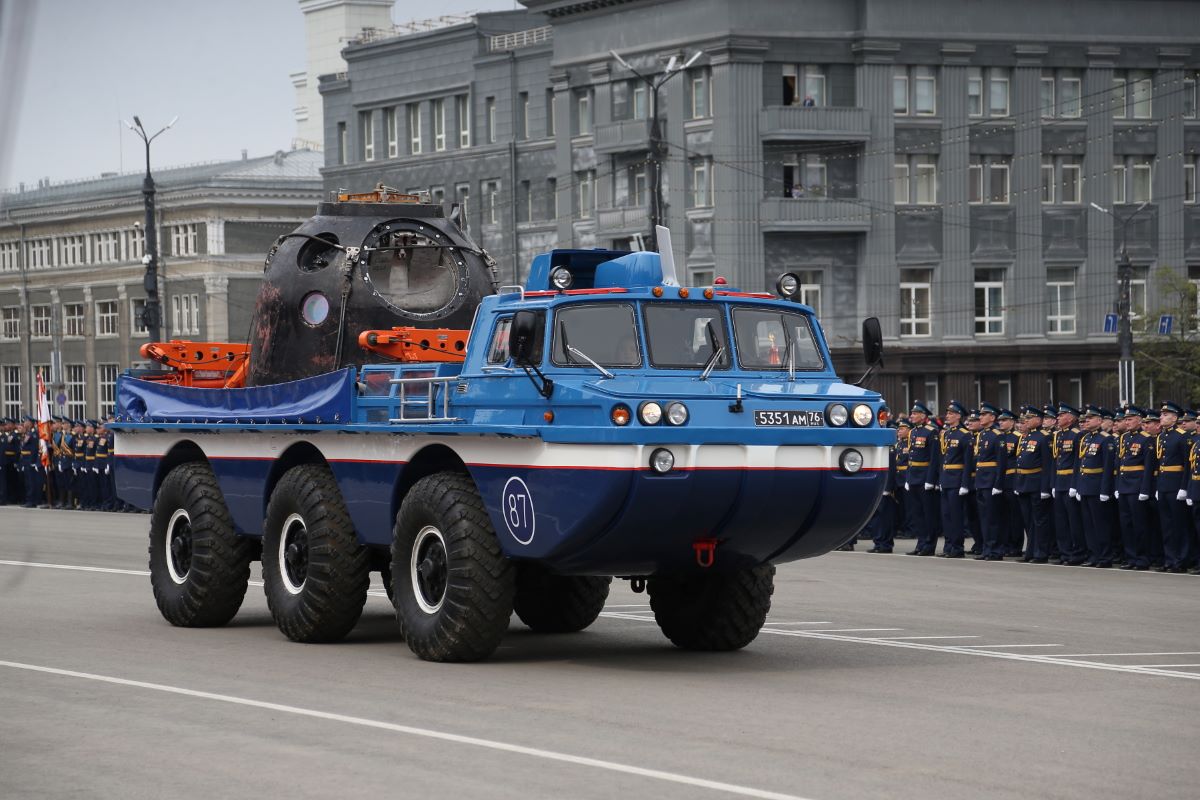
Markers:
point(638, 585)
point(706, 552)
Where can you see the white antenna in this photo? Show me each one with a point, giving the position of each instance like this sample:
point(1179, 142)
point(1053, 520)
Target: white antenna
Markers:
point(666, 255)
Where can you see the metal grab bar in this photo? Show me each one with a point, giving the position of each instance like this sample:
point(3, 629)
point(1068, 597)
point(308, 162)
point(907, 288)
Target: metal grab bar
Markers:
point(431, 390)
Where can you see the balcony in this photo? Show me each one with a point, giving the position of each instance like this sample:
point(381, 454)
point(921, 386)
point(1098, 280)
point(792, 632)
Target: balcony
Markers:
point(781, 214)
point(626, 220)
point(821, 123)
point(629, 135)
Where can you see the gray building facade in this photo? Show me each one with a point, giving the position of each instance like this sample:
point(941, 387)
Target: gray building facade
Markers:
point(71, 272)
point(935, 163)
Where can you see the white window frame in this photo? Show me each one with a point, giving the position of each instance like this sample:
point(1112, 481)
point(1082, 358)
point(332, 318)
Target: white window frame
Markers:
point(184, 239)
point(1006, 197)
point(74, 324)
point(819, 100)
point(583, 113)
point(1119, 98)
point(975, 93)
point(137, 307)
point(994, 83)
point(463, 106)
point(931, 80)
point(900, 89)
point(701, 188)
point(1143, 178)
point(639, 186)
point(901, 187)
point(1077, 169)
point(392, 132)
point(975, 195)
point(439, 125)
point(108, 318)
point(366, 122)
point(1047, 182)
point(637, 101)
point(1142, 96)
point(75, 380)
point(415, 145)
point(910, 322)
point(810, 289)
point(10, 323)
point(11, 377)
point(1072, 109)
point(1049, 107)
point(1058, 322)
point(586, 193)
point(1189, 184)
point(1189, 98)
point(814, 164)
point(135, 244)
point(9, 256)
point(342, 143)
point(1118, 184)
point(106, 382)
point(992, 319)
point(699, 88)
point(924, 171)
point(491, 193)
point(1137, 292)
point(39, 321)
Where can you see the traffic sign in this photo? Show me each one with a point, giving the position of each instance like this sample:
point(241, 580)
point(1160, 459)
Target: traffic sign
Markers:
point(1164, 324)
point(1110, 323)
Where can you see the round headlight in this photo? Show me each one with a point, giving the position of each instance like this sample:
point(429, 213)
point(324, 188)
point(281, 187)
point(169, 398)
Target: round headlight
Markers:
point(620, 415)
point(837, 415)
point(662, 460)
point(677, 413)
point(863, 415)
point(787, 285)
point(561, 278)
point(851, 461)
point(650, 413)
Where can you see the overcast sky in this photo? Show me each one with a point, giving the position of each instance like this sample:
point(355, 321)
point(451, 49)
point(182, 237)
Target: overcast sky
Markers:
point(81, 66)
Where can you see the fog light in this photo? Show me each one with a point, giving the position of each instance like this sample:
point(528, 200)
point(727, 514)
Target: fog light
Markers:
point(620, 415)
point(650, 413)
point(837, 415)
point(662, 460)
point(851, 461)
point(677, 413)
point(787, 285)
point(561, 278)
point(863, 416)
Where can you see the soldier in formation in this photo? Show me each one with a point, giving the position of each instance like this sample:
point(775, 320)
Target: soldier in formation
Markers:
point(80, 474)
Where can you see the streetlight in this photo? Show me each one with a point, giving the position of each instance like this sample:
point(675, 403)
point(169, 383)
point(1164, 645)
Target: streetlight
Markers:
point(151, 317)
point(1125, 374)
point(652, 162)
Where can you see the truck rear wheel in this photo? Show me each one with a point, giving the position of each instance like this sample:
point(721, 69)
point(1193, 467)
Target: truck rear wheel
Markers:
point(199, 566)
point(550, 603)
point(453, 586)
point(713, 612)
point(315, 573)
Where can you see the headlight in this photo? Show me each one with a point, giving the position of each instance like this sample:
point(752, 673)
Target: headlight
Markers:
point(662, 460)
point(561, 278)
point(837, 415)
point(677, 413)
point(650, 413)
point(863, 415)
point(619, 414)
point(787, 285)
point(851, 461)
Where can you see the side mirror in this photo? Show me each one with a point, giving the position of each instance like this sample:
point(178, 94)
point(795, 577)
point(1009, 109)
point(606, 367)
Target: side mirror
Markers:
point(872, 341)
point(523, 337)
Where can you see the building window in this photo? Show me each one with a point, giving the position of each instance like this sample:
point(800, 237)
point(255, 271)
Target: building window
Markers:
point(106, 247)
point(1194, 280)
point(414, 128)
point(583, 113)
point(988, 180)
point(998, 93)
point(900, 92)
point(1132, 94)
point(1189, 183)
point(9, 256)
point(10, 324)
point(1003, 393)
point(72, 251)
point(439, 125)
point(12, 392)
point(341, 142)
point(1071, 94)
point(699, 94)
point(915, 309)
point(73, 320)
point(524, 202)
point(366, 126)
point(996, 81)
point(1071, 182)
point(106, 375)
point(183, 240)
point(1119, 97)
point(586, 199)
point(1142, 180)
point(523, 115)
point(1137, 294)
point(106, 318)
point(550, 118)
point(1060, 301)
point(1046, 97)
point(39, 253)
point(76, 380)
point(900, 184)
point(185, 313)
point(701, 183)
point(925, 172)
point(491, 202)
point(1047, 180)
point(463, 112)
point(804, 85)
point(924, 91)
point(810, 289)
point(975, 93)
point(637, 185)
point(462, 193)
point(931, 393)
point(392, 132)
point(1118, 183)
point(1189, 98)
point(552, 198)
point(137, 316)
point(1066, 85)
point(135, 244)
point(39, 322)
point(989, 301)
point(640, 110)
point(437, 194)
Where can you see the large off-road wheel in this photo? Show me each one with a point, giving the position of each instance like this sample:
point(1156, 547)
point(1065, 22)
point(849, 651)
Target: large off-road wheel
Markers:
point(550, 603)
point(199, 566)
point(315, 573)
point(713, 612)
point(453, 586)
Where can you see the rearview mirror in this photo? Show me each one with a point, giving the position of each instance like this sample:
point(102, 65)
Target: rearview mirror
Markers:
point(523, 337)
point(872, 341)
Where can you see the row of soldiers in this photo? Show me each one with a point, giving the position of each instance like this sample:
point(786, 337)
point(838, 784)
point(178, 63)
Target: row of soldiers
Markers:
point(80, 473)
point(1056, 484)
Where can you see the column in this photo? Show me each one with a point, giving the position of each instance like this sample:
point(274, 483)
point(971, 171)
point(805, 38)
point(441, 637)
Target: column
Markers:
point(1026, 285)
point(562, 158)
point(954, 279)
point(124, 326)
point(671, 109)
point(601, 85)
point(1167, 189)
point(1096, 288)
point(216, 306)
point(91, 398)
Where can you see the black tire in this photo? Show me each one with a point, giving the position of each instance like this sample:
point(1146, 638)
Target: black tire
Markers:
point(550, 603)
point(199, 566)
point(453, 586)
point(315, 572)
point(385, 577)
point(713, 612)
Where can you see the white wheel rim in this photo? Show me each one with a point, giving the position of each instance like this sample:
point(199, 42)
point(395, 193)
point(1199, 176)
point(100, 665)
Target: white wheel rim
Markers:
point(173, 530)
point(427, 538)
point(293, 527)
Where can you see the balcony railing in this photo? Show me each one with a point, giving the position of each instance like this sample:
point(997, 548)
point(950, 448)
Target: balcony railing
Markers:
point(814, 214)
point(627, 219)
point(823, 123)
point(624, 136)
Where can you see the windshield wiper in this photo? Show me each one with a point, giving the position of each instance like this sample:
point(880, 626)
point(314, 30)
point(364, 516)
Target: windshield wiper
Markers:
point(791, 348)
point(575, 351)
point(718, 351)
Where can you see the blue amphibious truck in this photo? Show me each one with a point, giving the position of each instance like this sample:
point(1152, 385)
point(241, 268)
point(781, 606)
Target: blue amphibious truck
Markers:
point(602, 421)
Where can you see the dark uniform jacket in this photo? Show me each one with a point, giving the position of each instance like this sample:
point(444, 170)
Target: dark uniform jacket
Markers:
point(957, 463)
point(1094, 464)
point(1063, 448)
point(990, 459)
point(1171, 461)
point(1134, 462)
point(1035, 464)
point(923, 455)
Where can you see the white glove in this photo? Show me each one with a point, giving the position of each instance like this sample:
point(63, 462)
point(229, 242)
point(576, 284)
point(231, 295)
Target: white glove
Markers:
point(929, 487)
point(1072, 492)
point(1181, 494)
point(1104, 498)
point(1155, 494)
point(996, 492)
point(107, 470)
point(1189, 501)
point(1143, 498)
point(962, 490)
point(1078, 497)
point(1054, 493)
point(907, 487)
point(1117, 494)
point(1044, 496)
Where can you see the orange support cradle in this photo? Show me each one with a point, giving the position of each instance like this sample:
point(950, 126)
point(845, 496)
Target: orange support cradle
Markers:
point(416, 344)
point(206, 365)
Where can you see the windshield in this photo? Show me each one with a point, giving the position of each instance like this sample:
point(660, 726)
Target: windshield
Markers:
point(763, 336)
point(605, 333)
point(683, 336)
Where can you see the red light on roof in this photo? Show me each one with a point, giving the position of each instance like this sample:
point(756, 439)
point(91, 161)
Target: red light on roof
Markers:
point(720, 281)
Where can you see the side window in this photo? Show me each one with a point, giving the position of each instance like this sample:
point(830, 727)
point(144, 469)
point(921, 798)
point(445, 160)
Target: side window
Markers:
point(498, 350)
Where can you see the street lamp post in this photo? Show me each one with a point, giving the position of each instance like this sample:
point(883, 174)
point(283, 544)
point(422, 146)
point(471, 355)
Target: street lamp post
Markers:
point(1125, 367)
point(151, 315)
point(653, 159)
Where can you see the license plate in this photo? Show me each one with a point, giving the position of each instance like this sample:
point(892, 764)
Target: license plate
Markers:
point(789, 419)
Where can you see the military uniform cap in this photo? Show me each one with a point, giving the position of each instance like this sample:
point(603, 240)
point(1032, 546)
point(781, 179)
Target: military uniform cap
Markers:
point(956, 407)
point(1106, 413)
point(1067, 408)
point(1150, 415)
point(1189, 414)
point(989, 408)
point(1031, 411)
point(1133, 411)
point(1092, 411)
point(1006, 413)
point(920, 407)
point(1170, 407)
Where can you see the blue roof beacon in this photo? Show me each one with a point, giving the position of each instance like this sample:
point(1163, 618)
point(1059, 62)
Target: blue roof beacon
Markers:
point(600, 421)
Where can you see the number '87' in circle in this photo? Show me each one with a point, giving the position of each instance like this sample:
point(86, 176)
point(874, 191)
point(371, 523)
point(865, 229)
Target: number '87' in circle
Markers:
point(516, 506)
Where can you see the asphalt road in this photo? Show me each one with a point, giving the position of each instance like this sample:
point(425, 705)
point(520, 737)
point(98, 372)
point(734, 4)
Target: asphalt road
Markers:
point(879, 677)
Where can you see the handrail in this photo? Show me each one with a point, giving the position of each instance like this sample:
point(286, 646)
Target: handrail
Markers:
point(430, 392)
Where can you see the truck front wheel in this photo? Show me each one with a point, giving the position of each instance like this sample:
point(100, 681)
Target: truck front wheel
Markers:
point(315, 573)
point(453, 586)
point(713, 612)
point(199, 566)
point(550, 603)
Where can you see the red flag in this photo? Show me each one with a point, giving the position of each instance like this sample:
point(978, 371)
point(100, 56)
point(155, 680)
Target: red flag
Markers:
point(43, 420)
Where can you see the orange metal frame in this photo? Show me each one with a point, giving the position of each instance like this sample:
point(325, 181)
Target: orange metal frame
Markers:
point(416, 344)
point(206, 365)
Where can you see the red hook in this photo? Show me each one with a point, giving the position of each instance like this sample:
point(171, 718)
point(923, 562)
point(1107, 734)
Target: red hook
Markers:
point(706, 552)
